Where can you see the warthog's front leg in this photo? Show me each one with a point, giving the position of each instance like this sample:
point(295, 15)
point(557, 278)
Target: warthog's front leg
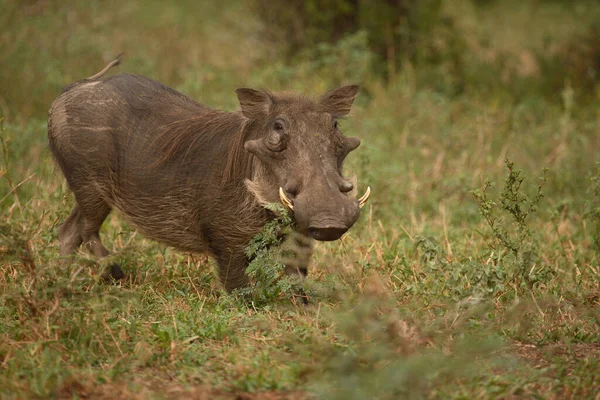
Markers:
point(297, 250)
point(232, 270)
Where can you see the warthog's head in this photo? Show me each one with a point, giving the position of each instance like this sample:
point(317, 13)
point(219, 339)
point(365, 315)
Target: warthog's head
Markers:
point(300, 150)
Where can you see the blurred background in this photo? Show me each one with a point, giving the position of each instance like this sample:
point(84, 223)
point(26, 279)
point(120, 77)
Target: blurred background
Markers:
point(486, 49)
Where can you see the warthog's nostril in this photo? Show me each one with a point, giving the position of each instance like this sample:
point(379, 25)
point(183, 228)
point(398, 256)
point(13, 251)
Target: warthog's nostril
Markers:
point(346, 186)
point(326, 233)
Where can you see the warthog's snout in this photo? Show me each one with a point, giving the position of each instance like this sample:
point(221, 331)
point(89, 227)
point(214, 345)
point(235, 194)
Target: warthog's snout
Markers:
point(327, 216)
point(331, 224)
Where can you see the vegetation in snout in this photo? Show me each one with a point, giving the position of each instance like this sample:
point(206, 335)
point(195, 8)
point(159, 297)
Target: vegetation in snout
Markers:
point(472, 273)
point(272, 252)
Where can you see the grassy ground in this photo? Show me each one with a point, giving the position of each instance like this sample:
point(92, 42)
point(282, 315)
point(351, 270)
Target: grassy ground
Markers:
point(445, 288)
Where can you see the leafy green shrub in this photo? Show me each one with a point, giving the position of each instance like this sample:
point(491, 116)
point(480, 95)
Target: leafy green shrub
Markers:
point(515, 246)
point(457, 281)
point(268, 278)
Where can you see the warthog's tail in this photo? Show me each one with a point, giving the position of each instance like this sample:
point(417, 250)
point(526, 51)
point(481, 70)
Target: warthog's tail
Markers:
point(111, 64)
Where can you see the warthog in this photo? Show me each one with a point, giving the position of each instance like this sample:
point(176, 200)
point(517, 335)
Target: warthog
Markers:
point(197, 178)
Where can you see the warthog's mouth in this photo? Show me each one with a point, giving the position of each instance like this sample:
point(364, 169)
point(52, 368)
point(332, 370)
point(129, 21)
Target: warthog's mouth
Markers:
point(289, 204)
point(327, 233)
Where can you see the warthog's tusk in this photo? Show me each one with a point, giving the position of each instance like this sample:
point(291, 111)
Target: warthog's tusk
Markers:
point(363, 200)
point(285, 200)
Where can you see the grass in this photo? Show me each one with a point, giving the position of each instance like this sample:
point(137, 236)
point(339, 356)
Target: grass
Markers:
point(450, 286)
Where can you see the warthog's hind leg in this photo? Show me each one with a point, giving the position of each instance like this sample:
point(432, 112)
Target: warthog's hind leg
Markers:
point(68, 235)
point(93, 215)
point(83, 227)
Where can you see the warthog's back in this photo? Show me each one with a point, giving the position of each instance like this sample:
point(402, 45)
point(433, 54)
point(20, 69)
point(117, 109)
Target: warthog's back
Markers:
point(121, 101)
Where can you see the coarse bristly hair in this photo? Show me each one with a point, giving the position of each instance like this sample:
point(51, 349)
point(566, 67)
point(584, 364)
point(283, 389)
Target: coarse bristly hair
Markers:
point(212, 129)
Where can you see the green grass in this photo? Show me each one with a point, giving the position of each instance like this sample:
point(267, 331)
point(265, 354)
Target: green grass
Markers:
point(437, 291)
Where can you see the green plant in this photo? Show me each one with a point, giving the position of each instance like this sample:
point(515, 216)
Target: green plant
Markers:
point(267, 271)
point(507, 218)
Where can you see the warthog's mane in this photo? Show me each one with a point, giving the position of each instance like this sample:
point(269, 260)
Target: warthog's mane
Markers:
point(212, 130)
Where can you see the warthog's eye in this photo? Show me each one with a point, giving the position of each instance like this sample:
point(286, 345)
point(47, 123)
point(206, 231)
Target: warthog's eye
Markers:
point(336, 124)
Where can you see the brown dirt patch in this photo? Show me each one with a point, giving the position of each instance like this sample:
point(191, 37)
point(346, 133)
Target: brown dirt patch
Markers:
point(85, 389)
point(541, 356)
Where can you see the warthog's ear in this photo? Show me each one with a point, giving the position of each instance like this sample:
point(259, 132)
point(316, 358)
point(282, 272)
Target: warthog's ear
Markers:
point(338, 101)
point(255, 103)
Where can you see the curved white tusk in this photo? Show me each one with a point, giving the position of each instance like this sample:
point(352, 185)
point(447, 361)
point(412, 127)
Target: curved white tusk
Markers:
point(363, 200)
point(285, 200)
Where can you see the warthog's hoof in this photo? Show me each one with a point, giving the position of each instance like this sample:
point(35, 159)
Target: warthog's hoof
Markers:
point(113, 273)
